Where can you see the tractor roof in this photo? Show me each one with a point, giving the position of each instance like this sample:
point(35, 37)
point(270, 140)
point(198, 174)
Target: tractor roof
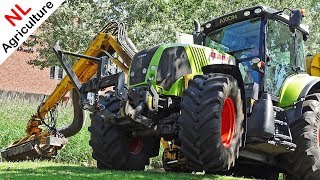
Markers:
point(245, 14)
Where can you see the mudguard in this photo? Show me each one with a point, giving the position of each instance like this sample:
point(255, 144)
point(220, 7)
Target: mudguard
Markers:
point(294, 90)
point(293, 86)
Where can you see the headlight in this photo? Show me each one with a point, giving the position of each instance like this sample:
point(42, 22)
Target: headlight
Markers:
point(258, 10)
point(246, 13)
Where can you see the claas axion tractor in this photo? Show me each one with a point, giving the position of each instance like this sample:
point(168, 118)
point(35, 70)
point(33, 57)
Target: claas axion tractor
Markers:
point(241, 100)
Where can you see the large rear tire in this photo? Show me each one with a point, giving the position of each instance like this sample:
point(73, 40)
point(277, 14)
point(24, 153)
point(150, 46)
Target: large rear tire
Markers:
point(304, 162)
point(211, 122)
point(113, 148)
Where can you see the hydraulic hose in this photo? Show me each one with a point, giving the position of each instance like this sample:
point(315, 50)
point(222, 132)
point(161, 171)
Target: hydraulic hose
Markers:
point(78, 117)
point(119, 30)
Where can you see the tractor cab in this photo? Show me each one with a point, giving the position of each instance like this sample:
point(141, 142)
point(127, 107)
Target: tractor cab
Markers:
point(267, 44)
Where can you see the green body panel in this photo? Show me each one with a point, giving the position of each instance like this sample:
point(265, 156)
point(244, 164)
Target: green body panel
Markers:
point(292, 88)
point(175, 90)
point(198, 57)
point(151, 74)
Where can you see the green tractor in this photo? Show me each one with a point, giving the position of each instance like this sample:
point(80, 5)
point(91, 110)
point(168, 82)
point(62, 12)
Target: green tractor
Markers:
point(239, 102)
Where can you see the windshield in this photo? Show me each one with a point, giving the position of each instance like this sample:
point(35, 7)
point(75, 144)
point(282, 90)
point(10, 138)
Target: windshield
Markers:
point(240, 39)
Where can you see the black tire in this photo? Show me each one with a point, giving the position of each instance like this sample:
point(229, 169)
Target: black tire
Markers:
point(201, 120)
point(110, 144)
point(304, 162)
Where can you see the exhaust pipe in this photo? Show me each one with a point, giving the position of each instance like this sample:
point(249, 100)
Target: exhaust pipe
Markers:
point(197, 35)
point(196, 26)
point(78, 117)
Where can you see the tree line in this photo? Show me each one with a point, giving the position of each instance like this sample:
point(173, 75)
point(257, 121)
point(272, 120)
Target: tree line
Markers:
point(149, 22)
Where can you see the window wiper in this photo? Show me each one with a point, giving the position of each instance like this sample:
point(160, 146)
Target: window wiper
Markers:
point(239, 50)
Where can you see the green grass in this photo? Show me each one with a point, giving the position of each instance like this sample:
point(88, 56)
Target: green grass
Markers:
point(14, 115)
point(49, 170)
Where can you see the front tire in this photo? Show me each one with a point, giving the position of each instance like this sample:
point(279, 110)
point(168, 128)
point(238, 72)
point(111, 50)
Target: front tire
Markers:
point(211, 122)
point(304, 162)
point(113, 148)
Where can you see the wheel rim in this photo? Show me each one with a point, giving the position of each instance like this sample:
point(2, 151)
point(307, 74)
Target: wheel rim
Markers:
point(227, 123)
point(135, 146)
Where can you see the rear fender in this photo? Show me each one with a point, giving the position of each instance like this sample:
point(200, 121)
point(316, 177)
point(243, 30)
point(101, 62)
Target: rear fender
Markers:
point(294, 113)
point(234, 72)
point(292, 88)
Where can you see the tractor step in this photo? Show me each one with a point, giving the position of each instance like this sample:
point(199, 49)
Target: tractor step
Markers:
point(46, 148)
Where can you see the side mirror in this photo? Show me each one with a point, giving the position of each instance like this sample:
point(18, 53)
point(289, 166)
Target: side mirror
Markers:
point(295, 18)
point(257, 65)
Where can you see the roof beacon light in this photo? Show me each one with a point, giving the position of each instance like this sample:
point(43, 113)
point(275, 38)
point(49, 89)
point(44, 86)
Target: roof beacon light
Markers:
point(303, 12)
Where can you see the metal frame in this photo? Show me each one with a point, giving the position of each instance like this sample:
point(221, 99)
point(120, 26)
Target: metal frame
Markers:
point(101, 81)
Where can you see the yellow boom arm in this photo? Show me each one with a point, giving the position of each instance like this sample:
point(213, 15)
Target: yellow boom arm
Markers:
point(45, 144)
point(86, 69)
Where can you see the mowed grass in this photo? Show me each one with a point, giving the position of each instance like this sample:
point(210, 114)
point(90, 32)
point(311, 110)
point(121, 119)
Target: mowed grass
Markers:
point(74, 160)
point(49, 170)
